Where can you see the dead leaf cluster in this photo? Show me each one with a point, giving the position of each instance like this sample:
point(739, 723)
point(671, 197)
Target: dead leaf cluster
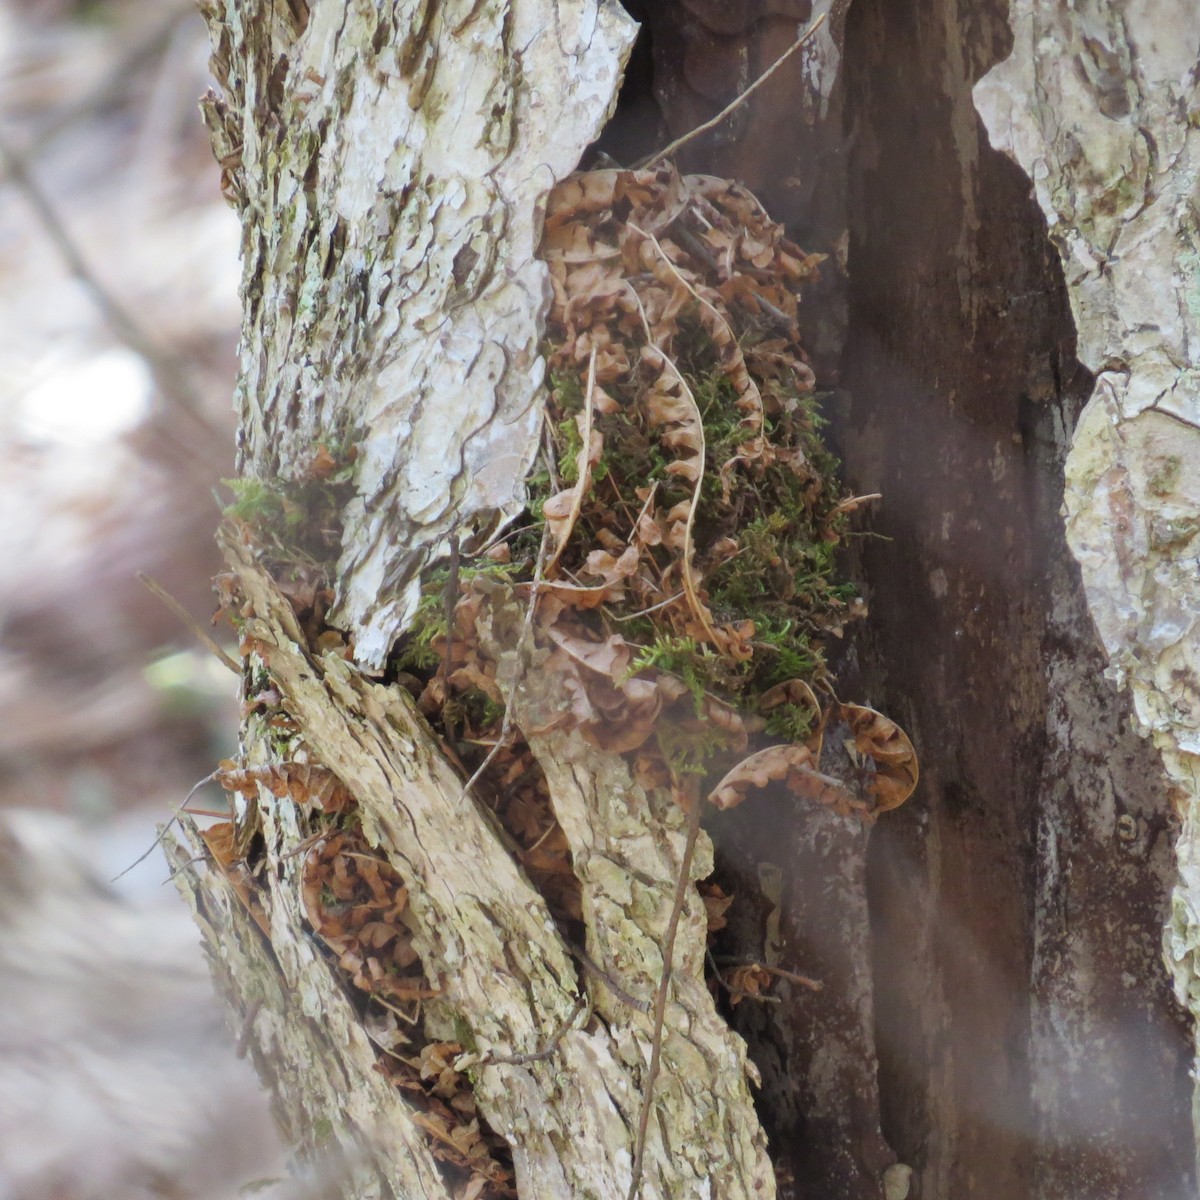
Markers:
point(690, 505)
point(358, 905)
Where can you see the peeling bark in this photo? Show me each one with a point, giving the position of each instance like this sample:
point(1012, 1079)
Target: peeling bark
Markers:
point(389, 163)
point(490, 945)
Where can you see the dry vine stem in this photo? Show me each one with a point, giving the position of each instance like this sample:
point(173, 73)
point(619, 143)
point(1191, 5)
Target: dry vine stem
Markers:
point(674, 147)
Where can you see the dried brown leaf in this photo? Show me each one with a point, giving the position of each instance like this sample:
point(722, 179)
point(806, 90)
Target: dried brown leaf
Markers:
point(785, 763)
point(883, 741)
point(747, 983)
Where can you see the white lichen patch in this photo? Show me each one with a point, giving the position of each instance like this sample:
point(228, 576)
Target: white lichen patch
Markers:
point(390, 162)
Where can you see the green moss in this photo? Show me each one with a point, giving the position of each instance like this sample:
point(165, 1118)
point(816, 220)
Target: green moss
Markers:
point(416, 652)
point(420, 649)
point(680, 656)
point(780, 511)
point(689, 750)
point(475, 707)
point(569, 443)
point(300, 522)
point(464, 1034)
point(790, 722)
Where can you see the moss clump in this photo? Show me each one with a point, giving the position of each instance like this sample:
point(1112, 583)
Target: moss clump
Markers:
point(298, 517)
point(698, 539)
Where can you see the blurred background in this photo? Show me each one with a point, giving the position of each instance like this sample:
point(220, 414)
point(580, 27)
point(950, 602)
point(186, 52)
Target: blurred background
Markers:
point(118, 327)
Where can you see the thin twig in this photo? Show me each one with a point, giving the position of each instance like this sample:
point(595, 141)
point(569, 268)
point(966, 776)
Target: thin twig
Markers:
point(162, 833)
point(524, 644)
point(807, 981)
point(548, 454)
point(306, 845)
point(410, 1021)
point(183, 866)
point(741, 98)
point(739, 994)
point(598, 972)
point(647, 611)
point(182, 613)
point(521, 1060)
point(682, 884)
point(542, 837)
point(803, 980)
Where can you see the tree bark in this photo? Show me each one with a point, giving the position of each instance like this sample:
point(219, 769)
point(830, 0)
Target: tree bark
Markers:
point(995, 1012)
point(1103, 124)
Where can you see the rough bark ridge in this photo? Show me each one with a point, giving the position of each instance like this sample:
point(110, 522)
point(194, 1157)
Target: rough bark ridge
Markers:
point(389, 163)
point(490, 949)
point(1098, 105)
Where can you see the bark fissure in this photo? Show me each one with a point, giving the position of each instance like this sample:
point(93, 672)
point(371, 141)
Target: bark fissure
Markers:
point(395, 189)
point(1104, 128)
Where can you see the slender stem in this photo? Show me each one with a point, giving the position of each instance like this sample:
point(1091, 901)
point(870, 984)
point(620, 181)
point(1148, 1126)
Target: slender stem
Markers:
point(741, 98)
point(660, 1000)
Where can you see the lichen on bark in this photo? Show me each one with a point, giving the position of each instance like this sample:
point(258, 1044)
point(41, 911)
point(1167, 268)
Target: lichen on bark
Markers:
point(389, 163)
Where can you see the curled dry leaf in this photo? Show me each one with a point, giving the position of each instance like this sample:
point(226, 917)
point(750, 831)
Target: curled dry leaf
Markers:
point(800, 696)
point(792, 765)
point(302, 783)
point(883, 741)
point(691, 505)
point(716, 905)
point(356, 904)
point(221, 840)
point(747, 983)
point(226, 844)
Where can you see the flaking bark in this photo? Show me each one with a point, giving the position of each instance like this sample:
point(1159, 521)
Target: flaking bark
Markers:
point(490, 948)
point(389, 163)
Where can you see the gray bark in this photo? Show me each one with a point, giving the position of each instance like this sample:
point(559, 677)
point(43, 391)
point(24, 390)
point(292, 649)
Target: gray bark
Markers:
point(389, 164)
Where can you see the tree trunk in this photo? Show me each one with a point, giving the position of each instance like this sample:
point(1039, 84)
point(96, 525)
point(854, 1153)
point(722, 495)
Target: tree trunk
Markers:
point(390, 167)
point(995, 1014)
point(1112, 141)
